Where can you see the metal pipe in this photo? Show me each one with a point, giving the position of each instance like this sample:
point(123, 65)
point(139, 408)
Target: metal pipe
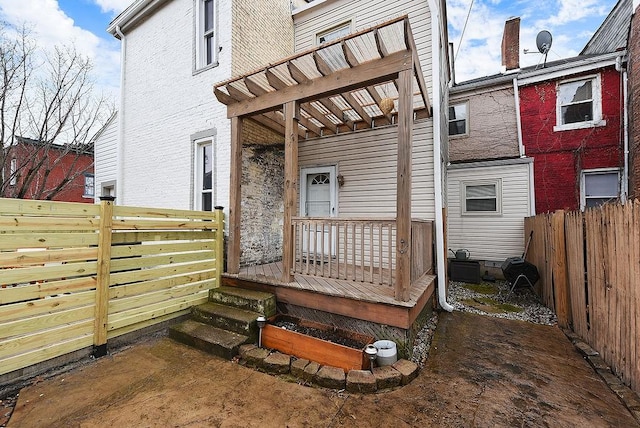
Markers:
point(120, 145)
point(437, 161)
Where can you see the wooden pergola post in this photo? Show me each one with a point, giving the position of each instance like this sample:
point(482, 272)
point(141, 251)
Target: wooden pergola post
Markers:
point(403, 192)
point(291, 113)
point(235, 196)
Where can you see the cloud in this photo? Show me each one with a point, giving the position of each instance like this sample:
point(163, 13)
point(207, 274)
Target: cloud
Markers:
point(571, 22)
point(113, 6)
point(51, 27)
point(575, 10)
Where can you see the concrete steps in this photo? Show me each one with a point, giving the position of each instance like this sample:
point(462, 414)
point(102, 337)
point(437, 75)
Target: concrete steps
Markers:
point(227, 321)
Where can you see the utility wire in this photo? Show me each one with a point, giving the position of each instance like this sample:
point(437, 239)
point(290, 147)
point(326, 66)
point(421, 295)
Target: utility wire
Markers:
point(463, 30)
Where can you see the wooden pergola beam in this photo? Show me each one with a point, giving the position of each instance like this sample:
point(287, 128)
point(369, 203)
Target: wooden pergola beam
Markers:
point(369, 73)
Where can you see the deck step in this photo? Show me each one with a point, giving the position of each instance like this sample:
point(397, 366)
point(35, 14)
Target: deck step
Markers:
point(216, 341)
point(230, 318)
point(250, 300)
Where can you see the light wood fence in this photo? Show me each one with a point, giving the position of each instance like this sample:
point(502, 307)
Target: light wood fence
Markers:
point(589, 266)
point(75, 275)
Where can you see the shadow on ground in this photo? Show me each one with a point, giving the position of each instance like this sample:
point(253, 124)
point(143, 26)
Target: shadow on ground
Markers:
point(481, 372)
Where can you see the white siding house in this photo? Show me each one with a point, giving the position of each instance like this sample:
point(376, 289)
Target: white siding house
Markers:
point(490, 236)
point(106, 159)
point(369, 164)
point(170, 126)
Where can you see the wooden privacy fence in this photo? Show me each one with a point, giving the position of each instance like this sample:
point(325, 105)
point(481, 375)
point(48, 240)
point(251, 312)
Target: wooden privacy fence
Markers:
point(589, 267)
point(74, 275)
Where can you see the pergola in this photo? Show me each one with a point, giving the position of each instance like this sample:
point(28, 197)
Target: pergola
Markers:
point(368, 79)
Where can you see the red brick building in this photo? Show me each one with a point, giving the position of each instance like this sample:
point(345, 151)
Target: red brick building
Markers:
point(572, 116)
point(60, 173)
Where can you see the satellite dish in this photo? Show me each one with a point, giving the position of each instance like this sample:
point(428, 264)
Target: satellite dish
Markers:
point(543, 41)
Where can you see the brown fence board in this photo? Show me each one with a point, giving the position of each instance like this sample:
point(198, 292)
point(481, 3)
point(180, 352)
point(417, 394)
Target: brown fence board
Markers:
point(602, 267)
point(575, 271)
point(48, 240)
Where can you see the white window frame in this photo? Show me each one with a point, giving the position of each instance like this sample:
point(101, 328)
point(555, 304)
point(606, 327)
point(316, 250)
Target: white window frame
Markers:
point(198, 190)
point(201, 36)
point(13, 168)
point(339, 28)
point(596, 94)
point(466, 120)
point(91, 195)
point(596, 171)
point(497, 182)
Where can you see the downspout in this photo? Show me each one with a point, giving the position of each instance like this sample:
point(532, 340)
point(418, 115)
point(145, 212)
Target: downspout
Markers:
point(624, 187)
point(120, 152)
point(516, 97)
point(437, 164)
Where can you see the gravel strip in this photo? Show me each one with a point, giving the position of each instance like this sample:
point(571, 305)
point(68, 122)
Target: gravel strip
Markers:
point(532, 311)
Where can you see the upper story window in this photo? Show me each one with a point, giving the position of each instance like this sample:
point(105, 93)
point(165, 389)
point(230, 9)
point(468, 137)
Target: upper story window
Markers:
point(458, 119)
point(206, 46)
point(89, 186)
point(482, 197)
point(599, 186)
point(334, 33)
point(579, 104)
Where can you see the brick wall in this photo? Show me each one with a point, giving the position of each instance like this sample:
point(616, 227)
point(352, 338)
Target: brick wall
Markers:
point(262, 33)
point(560, 156)
point(634, 106)
point(165, 102)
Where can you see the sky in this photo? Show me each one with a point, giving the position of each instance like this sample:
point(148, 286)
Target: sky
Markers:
point(477, 50)
point(571, 22)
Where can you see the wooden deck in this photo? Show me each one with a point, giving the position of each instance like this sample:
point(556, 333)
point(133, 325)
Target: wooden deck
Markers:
point(353, 298)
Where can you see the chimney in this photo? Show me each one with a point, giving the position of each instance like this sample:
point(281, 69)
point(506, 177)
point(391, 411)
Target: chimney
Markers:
point(511, 45)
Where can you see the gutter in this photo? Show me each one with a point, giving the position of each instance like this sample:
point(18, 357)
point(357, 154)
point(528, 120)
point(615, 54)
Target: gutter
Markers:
point(516, 97)
point(624, 186)
point(437, 164)
point(120, 151)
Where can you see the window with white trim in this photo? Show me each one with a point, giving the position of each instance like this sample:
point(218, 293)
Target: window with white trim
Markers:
point(206, 46)
point(579, 104)
point(334, 33)
point(13, 169)
point(599, 186)
point(482, 197)
point(204, 189)
point(458, 119)
point(89, 186)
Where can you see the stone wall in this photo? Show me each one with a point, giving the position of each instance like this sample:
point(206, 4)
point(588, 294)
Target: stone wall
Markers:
point(262, 204)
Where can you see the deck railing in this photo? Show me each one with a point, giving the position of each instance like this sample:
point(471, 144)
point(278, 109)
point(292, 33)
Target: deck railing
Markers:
point(357, 249)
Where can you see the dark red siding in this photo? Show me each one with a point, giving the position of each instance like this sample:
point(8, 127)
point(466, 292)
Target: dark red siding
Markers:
point(560, 156)
point(62, 164)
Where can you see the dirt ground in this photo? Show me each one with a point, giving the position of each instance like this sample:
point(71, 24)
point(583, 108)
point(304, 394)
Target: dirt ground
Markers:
point(482, 372)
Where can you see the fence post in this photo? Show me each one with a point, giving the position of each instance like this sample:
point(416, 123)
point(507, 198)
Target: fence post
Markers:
point(102, 280)
point(219, 245)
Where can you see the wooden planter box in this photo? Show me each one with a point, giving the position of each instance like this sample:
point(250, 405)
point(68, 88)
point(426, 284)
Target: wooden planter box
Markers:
point(313, 349)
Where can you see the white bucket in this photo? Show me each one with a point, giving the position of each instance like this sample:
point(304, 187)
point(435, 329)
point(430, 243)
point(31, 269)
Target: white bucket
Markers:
point(387, 352)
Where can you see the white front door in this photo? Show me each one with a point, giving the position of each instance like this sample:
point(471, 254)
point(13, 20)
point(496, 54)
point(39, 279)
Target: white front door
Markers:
point(318, 199)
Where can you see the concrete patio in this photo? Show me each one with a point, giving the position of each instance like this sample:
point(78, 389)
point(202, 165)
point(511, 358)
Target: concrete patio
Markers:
point(482, 372)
